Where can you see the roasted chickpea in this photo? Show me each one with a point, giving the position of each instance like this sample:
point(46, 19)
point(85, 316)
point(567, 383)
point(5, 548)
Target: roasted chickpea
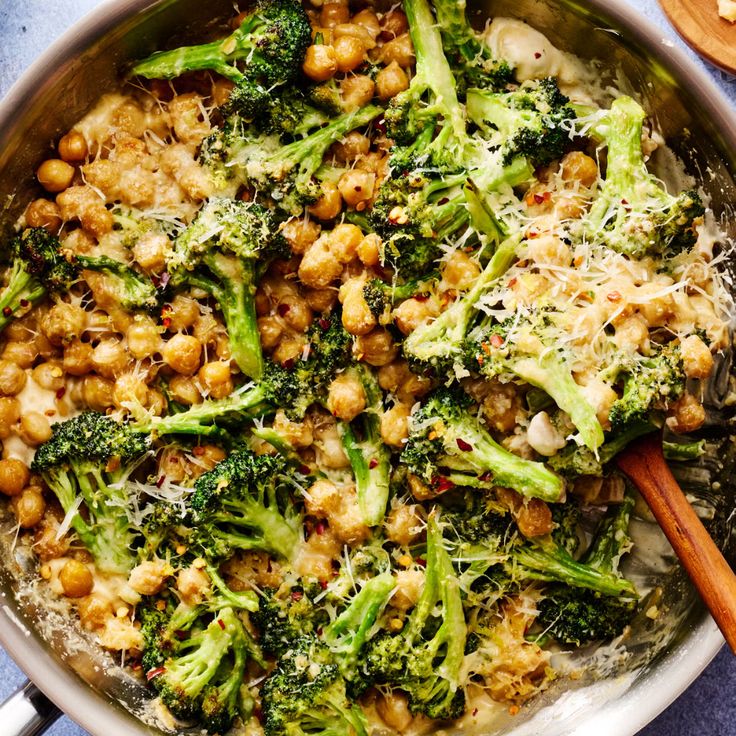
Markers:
point(320, 62)
point(184, 390)
point(49, 376)
point(329, 205)
point(577, 167)
point(9, 415)
point(55, 175)
point(395, 425)
point(390, 81)
point(110, 358)
point(97, 392)
point(459, 271)
point(357, 187)
point(63, 322)
point(270, 330)
point(352, 146)
point(29, 507)
point(412, 313)
point(183, 354)
point(21, 354)
point(12, 378)
point(182, 312)
point(346, 397)
point(295, 311)
point(14, 476)
point(369, 250)
point(319, 267)
point(356, 91)
point(376, 348)
point(399, 50)
point(349, 53)
point(44, 213)
point(300, 233)
point(143, 338)
point(128, 390)
point(35, 428)
point(333, 14)
point(686, 414)
point(357, 317)
point(216, 379)
point(77, 358)
point(150, 251)
point(393, 24)
point(288, 351)
point(344, 241)
point(368, 20)
point(73, 147)
point(76, 579)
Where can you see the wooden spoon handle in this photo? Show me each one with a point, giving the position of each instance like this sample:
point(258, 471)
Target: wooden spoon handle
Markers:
point(644, 463)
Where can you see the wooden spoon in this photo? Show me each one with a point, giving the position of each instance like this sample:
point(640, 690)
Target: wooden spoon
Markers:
point(644, 463)
point(711, 36)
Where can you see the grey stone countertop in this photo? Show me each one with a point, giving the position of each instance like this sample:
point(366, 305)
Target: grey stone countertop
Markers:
point(27, 27)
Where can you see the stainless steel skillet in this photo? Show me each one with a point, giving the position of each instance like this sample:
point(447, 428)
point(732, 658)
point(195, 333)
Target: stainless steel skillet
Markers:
point(693, 115)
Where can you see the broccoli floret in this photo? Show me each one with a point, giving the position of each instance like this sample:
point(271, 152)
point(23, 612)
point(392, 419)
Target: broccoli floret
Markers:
point(649, 383)
point(425, 659)
point(441, 343)
point(222, 252)
point(495, 350)
point(126, 286)
point(529, 122)
point(448, 444)
point(268, 47)
point(306, 694)
point(472, 60)
point(368, 456)
point(37, 267)
point(85, 464)
point(244, 503)
point(574, 616)
point(381, 296)
point(633, 214)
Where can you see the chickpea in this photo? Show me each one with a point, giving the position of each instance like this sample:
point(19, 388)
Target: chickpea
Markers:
point(73, 147)
point(193, 585)
point(12, 378)
point(299, 434)
point(696, 358)
point(97, 393)
point(329, 205)
point(356, 31)
point(287, 351)
point(376, 348)
point(399, 50)
point(55, 175)
point(49, 376)
point(183, 312)
point(357, 187)
point(349, 53)
point(209, 455)
point(357, 317)
point(344, 241)
point(35, 428)
point(184, 390)
point(404, 524)
point(369, 250)
point(356, 91)
point(77, 241)
point(352, 146)
point(685, 415)
point(21, 354)
point(321, 300)
point(76, 579)
point(29, 507)
point(412, 313)
point(143, 338)
point(9, 415)
point(14, 476)
point(150, 252)
point(368, 20)
point(129, 389)
point(183, 353)
point(320, 62)
point(390, 81)
point(84, 204)
point(395, 425)
point(577, 167)
point(149, 576)
point(459, 271)
point(94, 611)
point(319, 267)
point(63, 322)
point(109, 358)
point(216, 379)
point(300, 233)
point(333, 14)
point(77, 358)
point(393, 24)
point(44, 213)
point(270, 330)
point(346, 397)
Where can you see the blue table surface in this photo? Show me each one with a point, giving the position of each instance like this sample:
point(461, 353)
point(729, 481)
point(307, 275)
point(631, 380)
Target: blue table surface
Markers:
point(27, 27)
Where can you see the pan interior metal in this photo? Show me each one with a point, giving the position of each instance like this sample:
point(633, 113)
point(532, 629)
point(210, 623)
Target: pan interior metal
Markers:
point(663, 655)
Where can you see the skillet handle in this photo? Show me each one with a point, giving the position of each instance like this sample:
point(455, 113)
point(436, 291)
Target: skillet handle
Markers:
point(27, 712)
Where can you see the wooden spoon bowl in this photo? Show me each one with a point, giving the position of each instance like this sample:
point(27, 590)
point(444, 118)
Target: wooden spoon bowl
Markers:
point(699, 24)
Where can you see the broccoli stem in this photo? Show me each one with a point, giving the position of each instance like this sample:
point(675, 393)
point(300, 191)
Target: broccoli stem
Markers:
point(612, 540)
point(683, 450)
point(369, 458)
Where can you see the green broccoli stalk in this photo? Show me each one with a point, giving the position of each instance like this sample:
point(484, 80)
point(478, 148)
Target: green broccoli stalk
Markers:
point(649, 383)
point(574, 616)
point(425, 659)
point(448, 446)
point(527, 123)
point(381, 296)
point(222, 252)
point(268, 47)
point(368, 456)
point(244, 503)
point(85, 464)
point(441, 342)
point(37, 268)
point(632, 213)
point(472, 60)
point(126, 286)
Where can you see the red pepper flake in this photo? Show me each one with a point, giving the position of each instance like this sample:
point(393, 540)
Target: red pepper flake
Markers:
point(539, 198)
point(221, 624)
point(624, 201)
point(512, 282)
point(486, 477)
point(283, 309)
point(475, 712)
point(421, 562)
point(537, 55)
point(258, 713)
point(305, 469)
point(136, 666)
point(288, 364)
point(496, 341)
point(373, 463)
point(380, 125)
point(320, 527)
point(324, 323)
point(60, 393)
point(155, 672)
point(7, 311)
point(296, 595)
point(444, 200)
point(421, 297)
point(160, 481)
point(166, 322)
point(180, 634)
point(614, 296)
point(323, 584)
point(198, 451)
point(164, 280)
point(443, 484)
point(463, 445)
point(25, 303)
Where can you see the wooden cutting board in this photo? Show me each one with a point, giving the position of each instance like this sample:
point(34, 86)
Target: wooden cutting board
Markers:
point(698, 22)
